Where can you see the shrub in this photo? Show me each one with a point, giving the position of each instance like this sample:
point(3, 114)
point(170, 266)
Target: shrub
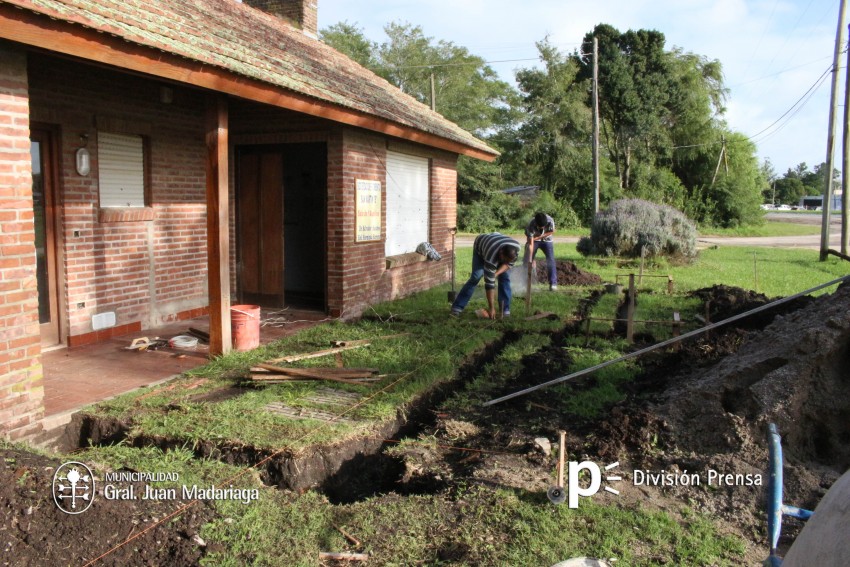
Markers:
point(631, 224)
point(563, 215)
point(497, 212)
point(508, 213)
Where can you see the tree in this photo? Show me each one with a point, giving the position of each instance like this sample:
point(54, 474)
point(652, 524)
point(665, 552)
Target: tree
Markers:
point(634, 82)
point(349, 40)
point(467, 90)
point(552, 145)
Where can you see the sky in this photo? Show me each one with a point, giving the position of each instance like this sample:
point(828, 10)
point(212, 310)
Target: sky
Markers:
point(774, 53)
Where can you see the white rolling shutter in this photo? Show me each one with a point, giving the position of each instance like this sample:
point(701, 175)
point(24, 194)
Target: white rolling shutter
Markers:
point(408, 203)
point(121, 170)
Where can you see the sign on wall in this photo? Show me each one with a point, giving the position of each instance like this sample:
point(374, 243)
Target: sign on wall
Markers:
point(367, 210)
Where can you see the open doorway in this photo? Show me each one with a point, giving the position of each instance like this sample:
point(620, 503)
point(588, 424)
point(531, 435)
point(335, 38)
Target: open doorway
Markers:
point(282, 233)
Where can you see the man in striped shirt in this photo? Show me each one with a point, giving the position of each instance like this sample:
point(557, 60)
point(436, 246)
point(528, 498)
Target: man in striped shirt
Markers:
point(493, 255)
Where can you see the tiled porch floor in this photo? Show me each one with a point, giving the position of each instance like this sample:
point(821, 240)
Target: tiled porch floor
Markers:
point(80, 376)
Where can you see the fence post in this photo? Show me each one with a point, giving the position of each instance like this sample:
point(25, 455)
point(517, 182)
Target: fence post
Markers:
point(630, 312)
point(669, 285)
point(676, 329)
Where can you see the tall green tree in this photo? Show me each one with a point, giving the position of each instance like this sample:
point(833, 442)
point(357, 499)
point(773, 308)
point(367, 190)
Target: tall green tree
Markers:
point(552, 146)
point(467, 90)
point(635, 89)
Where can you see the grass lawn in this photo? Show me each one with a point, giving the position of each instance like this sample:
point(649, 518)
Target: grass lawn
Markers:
point(769, 228)
point(472, 524)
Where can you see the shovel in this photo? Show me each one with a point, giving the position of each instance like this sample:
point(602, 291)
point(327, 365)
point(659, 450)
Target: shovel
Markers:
point(557, 494)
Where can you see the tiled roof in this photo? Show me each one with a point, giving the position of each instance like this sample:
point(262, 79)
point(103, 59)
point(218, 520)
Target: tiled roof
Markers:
point(247, 42)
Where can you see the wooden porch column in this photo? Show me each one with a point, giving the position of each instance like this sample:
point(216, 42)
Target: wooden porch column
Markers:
point(218, 225)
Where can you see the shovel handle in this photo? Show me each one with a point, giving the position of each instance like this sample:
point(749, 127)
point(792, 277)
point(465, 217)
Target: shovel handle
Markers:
point(562, 450)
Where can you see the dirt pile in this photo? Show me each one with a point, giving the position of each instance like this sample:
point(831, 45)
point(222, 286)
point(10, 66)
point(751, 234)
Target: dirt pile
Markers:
point(724, 301)
point(793, 373)
point(568, 274)
point(36, 532)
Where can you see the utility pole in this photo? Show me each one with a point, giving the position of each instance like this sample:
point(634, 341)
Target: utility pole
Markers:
point(830, 142)
point(720, 160)
point(433, 94)
point(845, 162)
point(595, 125)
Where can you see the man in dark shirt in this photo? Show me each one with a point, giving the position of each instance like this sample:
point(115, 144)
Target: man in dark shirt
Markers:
point(493, 255)
point(539, 233)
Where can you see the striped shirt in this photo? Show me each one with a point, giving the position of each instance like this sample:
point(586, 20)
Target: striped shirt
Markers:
point(532, 231)
point(487, 247)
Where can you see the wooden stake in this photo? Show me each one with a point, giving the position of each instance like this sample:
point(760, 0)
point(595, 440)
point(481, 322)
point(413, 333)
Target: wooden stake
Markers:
point(562, 450)
point(317, 354)
point(630, 310)
point(344, 556)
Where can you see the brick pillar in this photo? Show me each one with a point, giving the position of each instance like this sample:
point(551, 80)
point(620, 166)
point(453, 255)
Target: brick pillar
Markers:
point(302, 13)
point(21, 388)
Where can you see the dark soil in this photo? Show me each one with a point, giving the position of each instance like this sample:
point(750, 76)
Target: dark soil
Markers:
point(36, 532)
point(704, 406)
point(568, 274)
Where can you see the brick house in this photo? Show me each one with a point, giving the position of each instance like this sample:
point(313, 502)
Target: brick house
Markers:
point(162, 158)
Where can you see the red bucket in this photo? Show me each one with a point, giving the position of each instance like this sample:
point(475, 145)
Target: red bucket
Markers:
point(245, 326)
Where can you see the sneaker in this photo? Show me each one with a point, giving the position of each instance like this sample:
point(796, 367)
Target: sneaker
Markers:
point(553, 287)
point(506, 313)
point(454, 313)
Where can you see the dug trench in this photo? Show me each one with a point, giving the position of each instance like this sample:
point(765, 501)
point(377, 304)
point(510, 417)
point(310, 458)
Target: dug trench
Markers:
point(345, 472)
point(704, 407)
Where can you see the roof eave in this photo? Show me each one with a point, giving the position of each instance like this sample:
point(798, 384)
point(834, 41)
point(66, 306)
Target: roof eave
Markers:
point(28, 28)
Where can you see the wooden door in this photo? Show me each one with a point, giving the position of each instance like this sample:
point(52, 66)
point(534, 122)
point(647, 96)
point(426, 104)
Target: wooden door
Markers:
point(44, 181)
point(260, 236)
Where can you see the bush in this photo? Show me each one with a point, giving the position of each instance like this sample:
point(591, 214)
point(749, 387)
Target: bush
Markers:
point(631, 224)
point(508, 213)
point(497, 212)
point(563, 215)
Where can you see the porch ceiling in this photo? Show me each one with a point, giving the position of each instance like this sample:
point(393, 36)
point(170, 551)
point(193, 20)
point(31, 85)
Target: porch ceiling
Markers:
point(232, 48)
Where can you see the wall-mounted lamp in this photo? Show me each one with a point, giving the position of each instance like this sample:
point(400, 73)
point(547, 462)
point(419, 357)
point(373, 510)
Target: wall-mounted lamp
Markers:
point(83, 159)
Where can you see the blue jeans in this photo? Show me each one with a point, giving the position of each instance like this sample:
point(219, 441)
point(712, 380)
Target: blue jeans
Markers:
point(548, 251)
point(465, 293)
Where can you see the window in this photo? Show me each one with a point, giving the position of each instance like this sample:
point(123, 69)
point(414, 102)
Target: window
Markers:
point(121, 170)
point(408, 203)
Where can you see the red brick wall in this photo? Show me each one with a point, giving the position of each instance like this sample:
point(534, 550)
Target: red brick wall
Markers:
point(146, 271)
point(21, 389)
point(362, 276)
point(356, 273)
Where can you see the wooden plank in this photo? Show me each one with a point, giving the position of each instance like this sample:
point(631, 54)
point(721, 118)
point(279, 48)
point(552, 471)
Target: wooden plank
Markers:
point(367, 341)
point(317, 354)
point(218, 227)
point(269, 377)
point(302, 373)
point(343, 556)
point(350, 373)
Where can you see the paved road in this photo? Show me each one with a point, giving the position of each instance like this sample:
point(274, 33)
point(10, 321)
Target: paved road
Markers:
point(811, 241)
